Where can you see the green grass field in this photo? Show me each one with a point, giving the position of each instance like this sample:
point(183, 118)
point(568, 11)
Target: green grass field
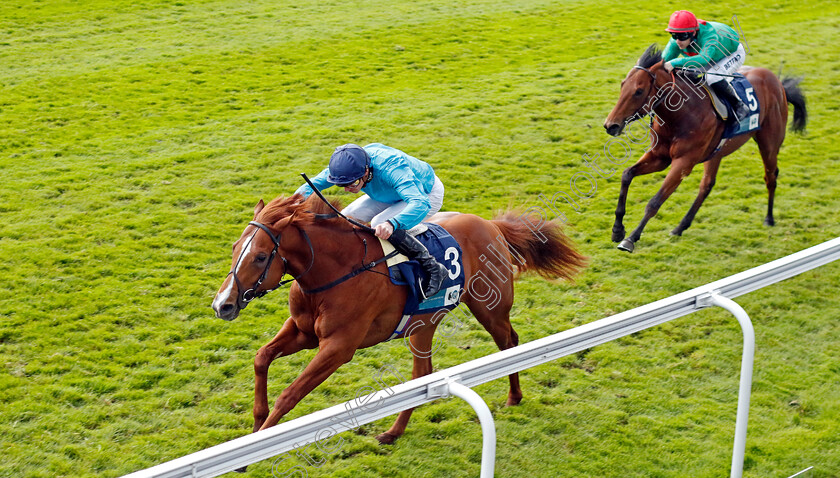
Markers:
point(136, 137)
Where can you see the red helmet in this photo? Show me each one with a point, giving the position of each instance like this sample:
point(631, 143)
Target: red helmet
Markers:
point(682, 21)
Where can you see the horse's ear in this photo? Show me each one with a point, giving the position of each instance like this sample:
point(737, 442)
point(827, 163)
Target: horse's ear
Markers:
point(259, 207)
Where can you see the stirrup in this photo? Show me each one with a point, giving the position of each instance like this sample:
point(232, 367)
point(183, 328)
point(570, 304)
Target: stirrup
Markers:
point(442, 269)
point(745, 112)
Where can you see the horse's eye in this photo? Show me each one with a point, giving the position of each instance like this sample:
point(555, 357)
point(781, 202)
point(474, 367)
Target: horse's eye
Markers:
point(638, 92)
point(261, 257)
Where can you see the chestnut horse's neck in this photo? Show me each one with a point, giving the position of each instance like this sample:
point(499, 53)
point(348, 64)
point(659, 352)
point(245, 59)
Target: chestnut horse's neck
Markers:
point(336, 250)
point(316, 246)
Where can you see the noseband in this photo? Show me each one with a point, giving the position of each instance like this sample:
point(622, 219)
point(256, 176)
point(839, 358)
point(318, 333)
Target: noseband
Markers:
point(246, 296)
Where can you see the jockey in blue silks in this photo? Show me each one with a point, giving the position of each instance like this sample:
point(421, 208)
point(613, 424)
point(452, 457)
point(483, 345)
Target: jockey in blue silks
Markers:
point(400, 192)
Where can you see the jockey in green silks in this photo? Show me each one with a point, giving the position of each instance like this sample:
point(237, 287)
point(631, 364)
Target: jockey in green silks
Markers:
point(708, 46)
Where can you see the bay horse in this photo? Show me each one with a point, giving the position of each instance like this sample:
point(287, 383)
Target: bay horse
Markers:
point(301, 237)
point(689, 133)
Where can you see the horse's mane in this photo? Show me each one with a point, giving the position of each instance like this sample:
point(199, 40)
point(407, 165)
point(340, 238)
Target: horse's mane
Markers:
point(305, 210)
point(650, 57)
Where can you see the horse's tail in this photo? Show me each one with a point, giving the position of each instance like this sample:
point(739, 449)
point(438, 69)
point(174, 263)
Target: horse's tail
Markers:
point(540, 247)
point(796, 97)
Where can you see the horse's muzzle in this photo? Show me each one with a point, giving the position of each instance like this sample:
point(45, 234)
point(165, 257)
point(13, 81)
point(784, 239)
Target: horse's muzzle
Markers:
point(614, 129)
point(226, 311)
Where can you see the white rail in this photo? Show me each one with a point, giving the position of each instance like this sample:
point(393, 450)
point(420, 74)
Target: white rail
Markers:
point(325, 423)
point(745, 388)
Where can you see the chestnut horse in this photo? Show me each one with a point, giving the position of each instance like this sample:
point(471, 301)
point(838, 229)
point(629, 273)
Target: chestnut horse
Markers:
point(689, 133)
point(301, 238)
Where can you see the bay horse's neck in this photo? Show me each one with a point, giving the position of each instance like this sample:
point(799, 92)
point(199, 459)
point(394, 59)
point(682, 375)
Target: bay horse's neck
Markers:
point(681, 105)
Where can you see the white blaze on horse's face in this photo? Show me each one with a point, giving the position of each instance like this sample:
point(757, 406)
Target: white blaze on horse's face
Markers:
point(224, 295)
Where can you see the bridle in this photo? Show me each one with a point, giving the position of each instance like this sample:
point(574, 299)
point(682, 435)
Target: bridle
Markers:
point(252, 293)
point(652, 91)
point(246, 296)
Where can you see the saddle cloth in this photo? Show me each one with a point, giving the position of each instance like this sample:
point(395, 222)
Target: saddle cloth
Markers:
point(725, 111)
point(406, 272)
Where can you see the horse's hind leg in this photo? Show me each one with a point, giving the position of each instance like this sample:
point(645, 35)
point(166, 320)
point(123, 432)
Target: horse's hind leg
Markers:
point(497, 322)
point(769, 142)
point(421, 348)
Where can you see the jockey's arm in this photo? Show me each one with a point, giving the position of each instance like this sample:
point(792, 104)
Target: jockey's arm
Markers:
point(417, 203)
point(671, 51)
point(320, 182)
point(711, 51)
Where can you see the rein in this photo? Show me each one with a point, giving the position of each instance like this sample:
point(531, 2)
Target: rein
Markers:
point(654, 90)
point(354, 273)
point(337, 212)
point(252, 293)
point(661, 99)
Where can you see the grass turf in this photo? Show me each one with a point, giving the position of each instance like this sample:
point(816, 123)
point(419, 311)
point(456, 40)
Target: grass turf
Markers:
point(137, 136)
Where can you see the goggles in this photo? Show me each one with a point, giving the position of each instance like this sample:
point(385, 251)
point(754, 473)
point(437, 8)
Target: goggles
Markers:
point(681, 36)
point(350, 185)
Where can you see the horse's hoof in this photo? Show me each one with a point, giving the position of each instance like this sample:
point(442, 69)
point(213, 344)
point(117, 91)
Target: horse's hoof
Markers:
point(386, 438)
point(676, 232)
point(241, 470)
point(626, 245)
point(769, 222)
point(513, 401)
point(617, 236)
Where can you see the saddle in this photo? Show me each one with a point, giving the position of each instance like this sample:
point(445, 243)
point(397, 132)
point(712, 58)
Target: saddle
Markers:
point(725, 111)
point(405, 272)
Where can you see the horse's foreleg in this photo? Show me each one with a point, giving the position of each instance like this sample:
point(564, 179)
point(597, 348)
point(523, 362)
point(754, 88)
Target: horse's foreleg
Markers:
point(332, 354)
point(648, 163)
point(627, 176)
point(420, 343)
point(288, 341)
point(710, 169)
point(672, 180)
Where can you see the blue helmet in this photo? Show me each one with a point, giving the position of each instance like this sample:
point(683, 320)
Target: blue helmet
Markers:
point(347, 164)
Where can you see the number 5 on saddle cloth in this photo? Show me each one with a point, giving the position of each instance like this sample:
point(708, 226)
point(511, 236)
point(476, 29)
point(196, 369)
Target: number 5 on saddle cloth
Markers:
point(402, 271)
point(724, 110)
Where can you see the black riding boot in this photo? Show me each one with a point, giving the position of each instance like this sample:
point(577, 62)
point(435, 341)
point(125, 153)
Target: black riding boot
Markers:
point(406, 244)
point(725, 90)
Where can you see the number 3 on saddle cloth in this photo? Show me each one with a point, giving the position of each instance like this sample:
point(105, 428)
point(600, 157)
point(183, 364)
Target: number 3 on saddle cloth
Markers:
point(447, 251)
